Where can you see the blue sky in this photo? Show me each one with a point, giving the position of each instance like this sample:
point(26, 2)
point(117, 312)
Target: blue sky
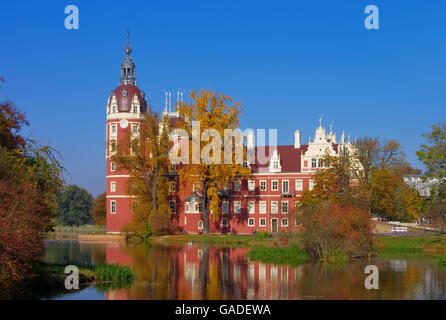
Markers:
point(287, 62)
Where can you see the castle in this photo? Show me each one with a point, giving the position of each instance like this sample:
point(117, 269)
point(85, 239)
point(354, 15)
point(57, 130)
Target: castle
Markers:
point(261, 203)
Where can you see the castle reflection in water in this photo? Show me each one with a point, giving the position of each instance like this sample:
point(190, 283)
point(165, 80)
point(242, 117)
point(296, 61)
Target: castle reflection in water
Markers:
point(193, 272)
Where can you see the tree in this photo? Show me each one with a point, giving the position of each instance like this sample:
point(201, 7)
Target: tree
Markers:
point(214, 113)
point(146, 158)
point(433, 156)
point(366, 152)
point(100, 209)
point(392, 198)
point(30, 175)
point(75, 206)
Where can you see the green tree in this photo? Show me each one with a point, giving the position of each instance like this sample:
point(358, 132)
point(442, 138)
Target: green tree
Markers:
point(433, 156)
point(75, 206)
point(433, 153)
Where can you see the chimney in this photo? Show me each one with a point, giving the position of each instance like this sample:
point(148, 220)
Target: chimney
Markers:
point(250, 140)
point(297, 139)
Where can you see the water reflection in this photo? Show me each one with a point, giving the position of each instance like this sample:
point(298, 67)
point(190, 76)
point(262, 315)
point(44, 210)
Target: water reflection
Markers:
point(202, 272)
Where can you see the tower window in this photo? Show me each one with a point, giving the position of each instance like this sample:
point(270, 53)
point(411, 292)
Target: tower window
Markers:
point(135, 109)
point(113, 206)
point(173, 206)
point(113, 186)
point(113, 166)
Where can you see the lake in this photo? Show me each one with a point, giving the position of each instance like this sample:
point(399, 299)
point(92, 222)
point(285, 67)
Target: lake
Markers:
point(196, 271)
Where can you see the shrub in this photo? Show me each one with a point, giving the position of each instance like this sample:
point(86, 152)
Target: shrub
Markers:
point(114, 272)
point(328, 228)
point(293, 255)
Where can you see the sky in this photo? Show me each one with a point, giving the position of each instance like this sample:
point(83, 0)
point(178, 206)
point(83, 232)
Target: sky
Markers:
point(287, 62)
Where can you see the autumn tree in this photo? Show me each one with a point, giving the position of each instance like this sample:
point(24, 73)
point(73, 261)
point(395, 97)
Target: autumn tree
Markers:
point(392, 198)
point(213, 118)
point(30, 176)
point(100, 209)
point(145, 157)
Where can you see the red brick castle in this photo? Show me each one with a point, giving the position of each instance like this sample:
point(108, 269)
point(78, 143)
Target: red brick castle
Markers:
point(261, 203)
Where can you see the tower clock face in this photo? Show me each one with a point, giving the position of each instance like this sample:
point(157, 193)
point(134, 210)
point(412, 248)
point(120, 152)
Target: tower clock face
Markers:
point(124, 124)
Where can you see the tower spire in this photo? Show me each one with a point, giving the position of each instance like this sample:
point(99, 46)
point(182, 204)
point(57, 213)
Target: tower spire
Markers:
point(127, 65)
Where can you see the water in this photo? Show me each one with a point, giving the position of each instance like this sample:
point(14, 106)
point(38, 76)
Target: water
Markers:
point(211, 272)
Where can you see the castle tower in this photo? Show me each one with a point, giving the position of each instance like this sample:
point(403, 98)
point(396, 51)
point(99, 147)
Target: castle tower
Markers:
point(125, 108)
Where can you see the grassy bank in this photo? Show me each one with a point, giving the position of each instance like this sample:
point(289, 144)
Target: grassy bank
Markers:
point(48, 280)
point(292, 255)
point(209, 239)
point(426, 245)
point(61, 231)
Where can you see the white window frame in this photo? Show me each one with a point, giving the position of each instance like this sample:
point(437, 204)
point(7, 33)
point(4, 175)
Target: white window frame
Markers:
point(262, 207)
point(287, 188)
point(237, 185)
point(282, 220)
point(276, 210)
point(224, 225)
point(251, 185)
point(287, 206)
point(311, 185)
point(113, 206)
point(277, 185)
point(237, 204)
point(200, 225)
point(251, 207)
point(225, 207)
point(135, 132)
point(253, 222)
point(112, 166)
point(299, 184)
point(314, 163)
point(262, 224)
point(113, 129)
point(113, 186)
point(265, 185)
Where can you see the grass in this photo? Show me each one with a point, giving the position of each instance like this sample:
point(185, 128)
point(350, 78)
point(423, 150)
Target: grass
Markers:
point(208, 238)
point(429, 245)
point(114, 272)
point(442, 261)
point(61, 231)
point(292, 255)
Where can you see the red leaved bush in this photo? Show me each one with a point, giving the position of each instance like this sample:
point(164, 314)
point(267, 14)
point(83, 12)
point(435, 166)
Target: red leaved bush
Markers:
point(20, 228)
point(329, 227)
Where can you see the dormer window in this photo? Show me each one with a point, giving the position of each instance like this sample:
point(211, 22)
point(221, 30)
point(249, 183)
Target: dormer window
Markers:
point(275, 162)
point(114, 109)
point(135, 109)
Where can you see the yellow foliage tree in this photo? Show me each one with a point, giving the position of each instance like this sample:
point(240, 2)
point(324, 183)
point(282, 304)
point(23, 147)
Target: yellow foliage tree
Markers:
point(209, 117)
point(145, 156)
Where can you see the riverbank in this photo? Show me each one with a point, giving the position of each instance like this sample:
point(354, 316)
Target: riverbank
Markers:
point(48, 279)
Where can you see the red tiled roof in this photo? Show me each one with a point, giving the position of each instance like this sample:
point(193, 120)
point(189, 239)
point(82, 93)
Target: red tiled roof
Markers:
point(289, 158)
